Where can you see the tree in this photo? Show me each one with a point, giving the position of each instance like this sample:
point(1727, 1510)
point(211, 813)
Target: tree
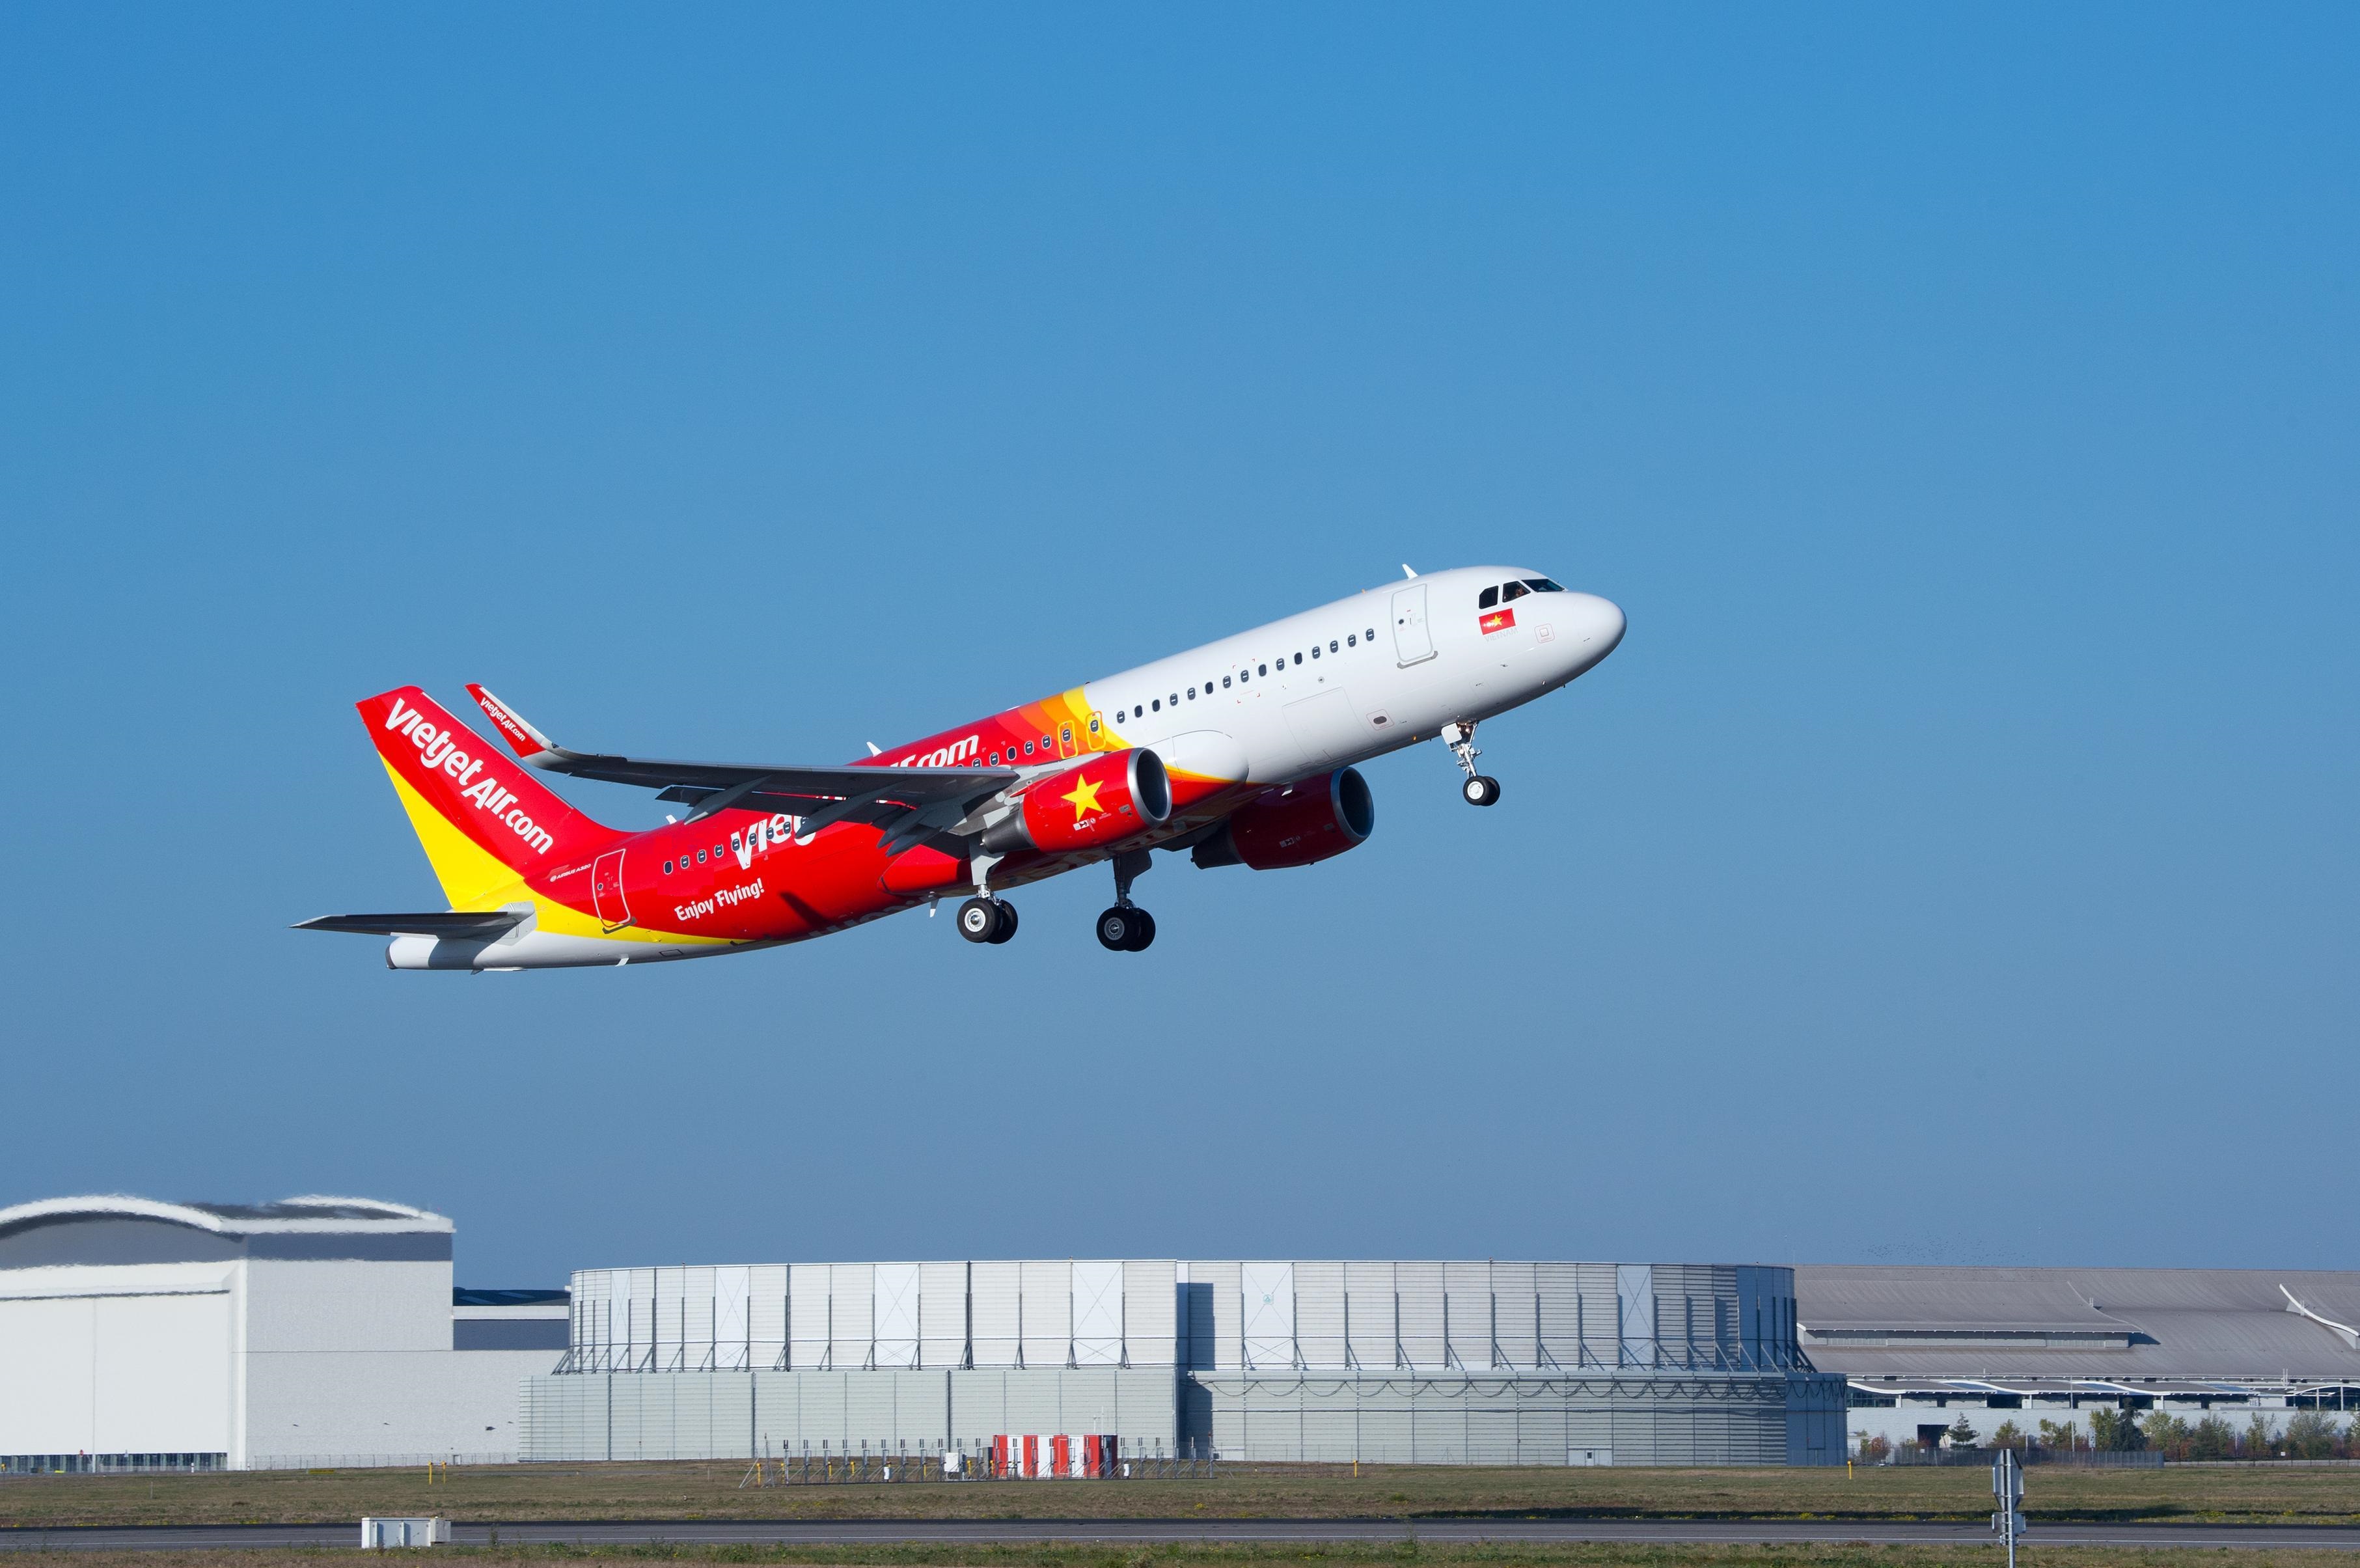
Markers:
point(2211, 1438)
point(1962, 1433)
point(2310, 1435)
point(2167, 1433)
point(2259, 1439)
point(1875, 1448)
point(2116, 1431)
point(2009, 1435)
point(2059, 1434)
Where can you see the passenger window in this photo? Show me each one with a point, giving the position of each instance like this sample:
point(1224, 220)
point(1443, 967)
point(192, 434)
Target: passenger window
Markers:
point(1157, 704)
point(1331, 645)
point(1176, 699)
point(1028, 748)
point(995, 758)
point(667, 868)
point(1488, 597)
point(1514, 591)
point(1262, 669)
point(1370, 634)
point(1314, 649)
point(1225, 683)
point(1298, 658)
point(700, 857)
point(1192, 694)
point(717, 854)
point(1351, 642)
point(736, 843)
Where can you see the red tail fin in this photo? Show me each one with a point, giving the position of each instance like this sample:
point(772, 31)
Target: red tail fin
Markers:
point(484, 821)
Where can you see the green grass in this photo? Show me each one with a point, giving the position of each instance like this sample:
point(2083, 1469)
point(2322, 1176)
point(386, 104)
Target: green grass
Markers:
point(2244, 1495)
point(1373, 1555)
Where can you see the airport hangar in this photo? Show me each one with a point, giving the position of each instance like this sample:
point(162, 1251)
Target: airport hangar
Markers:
point(327, 1331)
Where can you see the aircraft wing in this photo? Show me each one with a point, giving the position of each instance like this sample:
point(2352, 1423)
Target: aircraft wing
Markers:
point(487, 924)
point(818, 797)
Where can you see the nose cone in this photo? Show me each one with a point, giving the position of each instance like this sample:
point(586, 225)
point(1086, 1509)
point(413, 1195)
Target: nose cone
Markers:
point(1596, 627)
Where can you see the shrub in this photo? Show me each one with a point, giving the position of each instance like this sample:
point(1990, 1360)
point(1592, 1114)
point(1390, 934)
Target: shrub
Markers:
point(2310, 1435)
point(2064, 1435)
point(2259, 1440)
point(2211, 1438)
point(2166, 1433)
point(1875, 1449)
point(2009, 1435)
point(2116, 1430)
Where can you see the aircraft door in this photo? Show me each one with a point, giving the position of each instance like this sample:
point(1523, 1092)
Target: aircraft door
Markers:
point(1412, 637)
point(606, 891)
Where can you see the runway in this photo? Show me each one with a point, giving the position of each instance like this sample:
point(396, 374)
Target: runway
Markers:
point(847, 1532)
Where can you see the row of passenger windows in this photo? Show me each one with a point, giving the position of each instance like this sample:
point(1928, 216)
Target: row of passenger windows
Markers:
point(718, 850)
point(1249, 672)
point(1048, 746)
point(1505, 592)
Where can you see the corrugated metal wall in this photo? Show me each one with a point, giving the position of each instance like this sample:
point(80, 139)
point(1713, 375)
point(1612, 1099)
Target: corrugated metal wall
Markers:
point(723, 1415)
point(1510, 1352)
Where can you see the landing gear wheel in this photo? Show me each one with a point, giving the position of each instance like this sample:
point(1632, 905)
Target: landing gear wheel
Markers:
point(1125, 929)
point(980, 920)
point(1481, 790)
point(1007, 922)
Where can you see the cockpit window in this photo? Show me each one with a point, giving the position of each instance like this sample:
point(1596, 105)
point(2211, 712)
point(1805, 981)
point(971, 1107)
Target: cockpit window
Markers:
point(1544, 585)
point(1490, 597)
point(1514, 591)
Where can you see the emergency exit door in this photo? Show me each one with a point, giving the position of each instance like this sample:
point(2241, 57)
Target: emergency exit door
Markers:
point(606, 891)
point(1413, 638)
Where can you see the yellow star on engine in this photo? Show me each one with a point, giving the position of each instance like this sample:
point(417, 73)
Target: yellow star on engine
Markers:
point(1085, 799)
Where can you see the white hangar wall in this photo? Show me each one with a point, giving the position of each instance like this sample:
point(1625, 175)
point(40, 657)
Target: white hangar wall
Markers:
point(239, 1335)
point(1476, 1362)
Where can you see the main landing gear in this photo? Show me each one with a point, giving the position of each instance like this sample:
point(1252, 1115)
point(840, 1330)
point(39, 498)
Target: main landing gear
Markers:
point(1481, 789)
point(1126, 927)
point(990, 920)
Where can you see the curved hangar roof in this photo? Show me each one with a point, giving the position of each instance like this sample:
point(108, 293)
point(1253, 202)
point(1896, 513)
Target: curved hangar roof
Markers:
point(1905, 1323)
point(113, 1228)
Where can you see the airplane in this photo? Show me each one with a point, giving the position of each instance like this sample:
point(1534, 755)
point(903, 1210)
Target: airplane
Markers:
point(1242, 751)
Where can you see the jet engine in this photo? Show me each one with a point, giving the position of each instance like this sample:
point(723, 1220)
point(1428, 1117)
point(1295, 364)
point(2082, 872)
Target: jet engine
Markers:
point(1313, 820)
point(1107, 798)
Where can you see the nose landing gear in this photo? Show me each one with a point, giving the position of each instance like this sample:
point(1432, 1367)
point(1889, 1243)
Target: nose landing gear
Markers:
point(1126, 927)
point(1481, 789)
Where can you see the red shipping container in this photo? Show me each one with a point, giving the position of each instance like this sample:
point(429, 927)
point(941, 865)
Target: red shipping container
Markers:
point(1061, 1455)
point(999, 1455)
point(1031, 1454)
point(1092, 1465)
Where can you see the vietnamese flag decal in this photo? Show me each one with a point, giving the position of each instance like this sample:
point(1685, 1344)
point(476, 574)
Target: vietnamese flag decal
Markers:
point(1498, 621)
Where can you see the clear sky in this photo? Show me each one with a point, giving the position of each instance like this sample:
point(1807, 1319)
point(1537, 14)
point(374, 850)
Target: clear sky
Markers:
point(1956, 861)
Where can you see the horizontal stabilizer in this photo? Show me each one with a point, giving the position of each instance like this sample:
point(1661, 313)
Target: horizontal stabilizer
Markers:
point(483, 925)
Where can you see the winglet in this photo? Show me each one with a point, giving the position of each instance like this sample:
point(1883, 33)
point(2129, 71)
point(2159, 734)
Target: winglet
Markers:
point(529, 743)
point(1406, 572)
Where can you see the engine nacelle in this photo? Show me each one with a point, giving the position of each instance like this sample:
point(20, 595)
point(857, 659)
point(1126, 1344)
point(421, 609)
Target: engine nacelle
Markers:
point(1103, 800)
point(1313, 820)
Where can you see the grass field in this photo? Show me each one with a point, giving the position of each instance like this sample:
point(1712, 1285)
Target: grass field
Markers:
point(490, 1494)
point(1291, 1556)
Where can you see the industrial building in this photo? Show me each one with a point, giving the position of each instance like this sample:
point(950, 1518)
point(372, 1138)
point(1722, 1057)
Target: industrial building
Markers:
point(210, 1336)
point(328, 1331)
point(1921, 1348)
point(1478, 1363)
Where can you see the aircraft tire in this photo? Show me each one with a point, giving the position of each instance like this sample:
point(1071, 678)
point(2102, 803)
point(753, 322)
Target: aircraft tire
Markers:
point(1007, 922)
point(1117, 928)
point(979, 921)
point(1142, 931)
point(1481, 790)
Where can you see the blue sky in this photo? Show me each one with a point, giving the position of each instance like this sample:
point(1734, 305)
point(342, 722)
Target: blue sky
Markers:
point(1955, 863)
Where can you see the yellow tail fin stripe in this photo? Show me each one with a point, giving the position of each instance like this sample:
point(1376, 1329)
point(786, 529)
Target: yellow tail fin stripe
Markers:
point(473, 878)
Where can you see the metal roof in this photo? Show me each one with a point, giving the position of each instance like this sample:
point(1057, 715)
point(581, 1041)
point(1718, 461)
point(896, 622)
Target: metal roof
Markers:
point(2189, 1325)
point(313, 1215)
